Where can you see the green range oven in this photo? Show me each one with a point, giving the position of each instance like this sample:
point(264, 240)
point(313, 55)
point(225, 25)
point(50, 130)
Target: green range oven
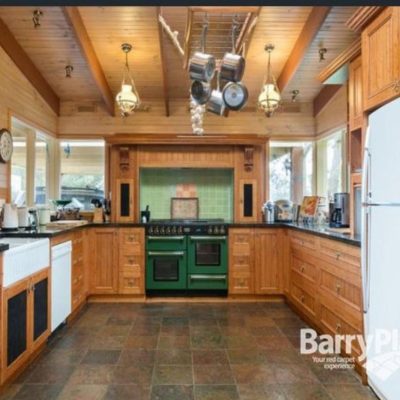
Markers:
point(186, 255)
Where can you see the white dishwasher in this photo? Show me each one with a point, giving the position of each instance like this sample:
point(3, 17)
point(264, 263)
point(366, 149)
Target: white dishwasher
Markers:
point(60, 283)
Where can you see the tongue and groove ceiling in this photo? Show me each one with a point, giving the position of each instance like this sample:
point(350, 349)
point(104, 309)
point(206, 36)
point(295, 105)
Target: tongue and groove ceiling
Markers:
point(156, 65)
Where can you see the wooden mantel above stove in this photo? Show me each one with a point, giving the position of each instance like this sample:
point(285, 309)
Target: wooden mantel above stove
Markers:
point(187, 139)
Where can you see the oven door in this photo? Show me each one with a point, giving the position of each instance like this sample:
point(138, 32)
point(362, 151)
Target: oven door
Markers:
point(207, 255)
point(166, 269)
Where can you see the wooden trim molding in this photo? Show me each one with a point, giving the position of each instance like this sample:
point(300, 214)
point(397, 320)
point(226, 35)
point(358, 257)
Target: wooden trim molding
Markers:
point(353, 51)
point(362, 17)
point(324, 97)
point(188, 139)
point(75, 20)
point(188, 34)
point(27, 67)
point(311, 28)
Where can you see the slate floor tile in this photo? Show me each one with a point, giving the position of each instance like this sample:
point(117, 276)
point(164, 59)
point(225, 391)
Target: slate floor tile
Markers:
point(127, 392)
point(101, 357)
point(172, 375)
point(38, 392)
point(83, 392)
point(216, 392)
point(172, 392)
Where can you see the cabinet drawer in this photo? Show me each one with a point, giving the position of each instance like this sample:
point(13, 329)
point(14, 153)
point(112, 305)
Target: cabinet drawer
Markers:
point(132, 238)
point(304, 267)
point(241, 242)
point(347, 312)
point(303, 299)
point(335, 325)
point(340, 287)
point(303, 240)
point(130, 261)
point(303, 282)
point(241, 282)
point(130, 282)
point(77, 299)
point(241, 262)
point(340, 254)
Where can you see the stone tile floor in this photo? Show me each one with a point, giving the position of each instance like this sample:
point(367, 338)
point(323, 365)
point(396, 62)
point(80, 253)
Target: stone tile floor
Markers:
point(242, 351)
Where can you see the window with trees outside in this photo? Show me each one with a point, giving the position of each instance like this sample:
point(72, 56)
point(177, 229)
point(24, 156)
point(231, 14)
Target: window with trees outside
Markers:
point(291, 170)
point(331, 165)
point(82, 167)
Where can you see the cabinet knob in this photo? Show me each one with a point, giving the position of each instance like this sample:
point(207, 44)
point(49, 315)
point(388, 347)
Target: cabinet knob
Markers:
point(302, 298)
point(338, 326)
point(302, 268)
point(338, 287)
point(338, 255)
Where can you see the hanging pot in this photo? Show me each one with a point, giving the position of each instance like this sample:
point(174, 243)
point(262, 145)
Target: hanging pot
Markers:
point(235, 95)
point(200, 91)
point(232, 67)
point(216, 103)
point(202, 67)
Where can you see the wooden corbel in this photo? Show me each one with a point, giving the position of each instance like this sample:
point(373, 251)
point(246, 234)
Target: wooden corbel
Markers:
point(124, 159)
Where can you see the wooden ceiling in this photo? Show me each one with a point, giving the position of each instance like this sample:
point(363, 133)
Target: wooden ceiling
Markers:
point(156, 65)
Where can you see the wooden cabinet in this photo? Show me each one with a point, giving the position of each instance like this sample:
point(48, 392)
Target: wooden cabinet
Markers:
point(255, 261)
point(131, 261)
point(25, 320)
point(241, 261)
point(124, 200)
point(248, 210)
point(268, 265)
point(103, 261)
point(381, 59)
point(355, 94)
point(325, 284)
point(78, 292)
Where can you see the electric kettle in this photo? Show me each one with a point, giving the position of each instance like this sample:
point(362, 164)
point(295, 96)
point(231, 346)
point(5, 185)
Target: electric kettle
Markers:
point(10, 217)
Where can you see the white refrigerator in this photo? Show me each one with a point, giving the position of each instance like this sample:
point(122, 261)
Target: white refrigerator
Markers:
point(381, 250)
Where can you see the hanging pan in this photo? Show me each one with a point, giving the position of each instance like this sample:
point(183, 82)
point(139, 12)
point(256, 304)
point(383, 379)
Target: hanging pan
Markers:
point(233, 65)
point(216, 103)
point(200, 91)
point(202, 65)
point(235, 95)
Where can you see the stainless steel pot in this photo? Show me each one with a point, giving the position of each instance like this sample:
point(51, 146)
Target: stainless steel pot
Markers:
point(216, 103)
point(202, 67)
point(200, 91)
point(232, 67)
point(235, 95)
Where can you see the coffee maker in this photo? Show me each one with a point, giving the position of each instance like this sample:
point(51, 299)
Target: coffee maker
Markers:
point(340, 214)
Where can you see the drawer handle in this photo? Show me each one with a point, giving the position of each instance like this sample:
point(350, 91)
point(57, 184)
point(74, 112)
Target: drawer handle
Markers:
point(302, 268)
point(338, 255)
point(338, 327)
point(131, 238)
point(338, 287)
point(302, 298)
point(131, 261)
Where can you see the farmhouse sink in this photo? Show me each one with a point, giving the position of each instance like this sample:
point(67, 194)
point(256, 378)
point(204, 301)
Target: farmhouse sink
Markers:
point(24, 257)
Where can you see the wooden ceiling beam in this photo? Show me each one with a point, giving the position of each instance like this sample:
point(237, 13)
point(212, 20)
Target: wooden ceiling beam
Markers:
point(324, 97)
point(362, 16)
point(75, 20)
point(27, 67)
point(163, 65)
point(224, 10)
point(311, 28)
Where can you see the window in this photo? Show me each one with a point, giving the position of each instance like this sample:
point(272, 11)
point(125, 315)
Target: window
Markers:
point(291, 170)
point(29, 165)
point(82, 171)
point(331, 165)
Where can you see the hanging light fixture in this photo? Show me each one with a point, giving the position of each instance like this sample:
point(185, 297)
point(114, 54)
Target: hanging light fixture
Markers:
point(128, 98)
point(270, 97)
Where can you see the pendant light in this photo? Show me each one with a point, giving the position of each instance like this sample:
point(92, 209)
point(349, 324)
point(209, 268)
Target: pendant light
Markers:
point(270, 97)
point(128, 98)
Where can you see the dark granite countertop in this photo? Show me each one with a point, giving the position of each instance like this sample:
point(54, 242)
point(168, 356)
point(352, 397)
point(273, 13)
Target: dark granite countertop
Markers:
point(313, 229)
point(4, 247)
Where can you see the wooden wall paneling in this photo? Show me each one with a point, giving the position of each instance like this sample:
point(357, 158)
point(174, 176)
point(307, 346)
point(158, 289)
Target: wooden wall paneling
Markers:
point(75, 20)
point(164, 66)
point(27, 67)
point(356, 115)
point(311, 27)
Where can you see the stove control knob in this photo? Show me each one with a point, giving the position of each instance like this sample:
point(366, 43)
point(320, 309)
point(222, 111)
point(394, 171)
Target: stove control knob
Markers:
point(156, 231)
point(180, 230)
point(216, 231)
point(162, 231)
point(167, 230)
point(173, 230)
point(209, 230)
point(150, 230)
point(222, 230)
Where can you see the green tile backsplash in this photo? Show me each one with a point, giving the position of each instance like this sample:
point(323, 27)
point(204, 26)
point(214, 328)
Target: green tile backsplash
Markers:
point(214, 189)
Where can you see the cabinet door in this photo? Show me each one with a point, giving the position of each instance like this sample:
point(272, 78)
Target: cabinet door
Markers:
point(104, 261)
point(355, 95)
point(15, 328)
point(268, 271)
point(241, 261)
point(40, 287)
point(380, 59)
point(248, 200)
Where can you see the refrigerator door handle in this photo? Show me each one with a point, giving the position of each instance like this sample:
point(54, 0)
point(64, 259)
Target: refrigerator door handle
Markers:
point(365, 195)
